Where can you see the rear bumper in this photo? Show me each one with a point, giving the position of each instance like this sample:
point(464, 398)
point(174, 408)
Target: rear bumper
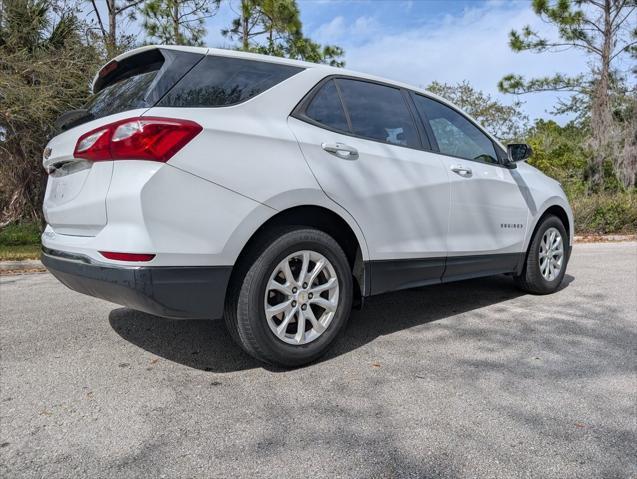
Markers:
point(188, 292)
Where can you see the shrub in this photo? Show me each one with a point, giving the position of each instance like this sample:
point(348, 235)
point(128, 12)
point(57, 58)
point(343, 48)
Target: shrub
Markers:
point(606, 213)
point(17, 234)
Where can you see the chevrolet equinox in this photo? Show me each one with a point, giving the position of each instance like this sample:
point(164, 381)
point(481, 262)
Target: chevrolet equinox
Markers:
point(205, 183)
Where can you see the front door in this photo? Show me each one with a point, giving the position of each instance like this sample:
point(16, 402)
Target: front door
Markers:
point(489, 214)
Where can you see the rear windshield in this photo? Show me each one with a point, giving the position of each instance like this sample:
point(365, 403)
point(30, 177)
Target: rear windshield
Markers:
point(222, 81)
point(126, 94)
point(138, 81)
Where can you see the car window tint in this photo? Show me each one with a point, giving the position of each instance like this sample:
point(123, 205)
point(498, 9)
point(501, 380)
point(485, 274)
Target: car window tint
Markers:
point(327, 109)
point(455, 134)
point(126, 94)
point(222, 81)
point(378, 112)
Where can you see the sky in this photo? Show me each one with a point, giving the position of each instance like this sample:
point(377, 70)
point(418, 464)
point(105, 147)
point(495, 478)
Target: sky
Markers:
point(419, 41)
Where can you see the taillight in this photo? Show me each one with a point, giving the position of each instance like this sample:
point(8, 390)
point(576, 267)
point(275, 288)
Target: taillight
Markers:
point(127, 256)
point(143, 138)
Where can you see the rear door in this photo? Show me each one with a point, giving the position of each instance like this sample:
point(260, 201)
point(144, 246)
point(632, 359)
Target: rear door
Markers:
point(488, 210)
point(363, 144)
point(75, 198)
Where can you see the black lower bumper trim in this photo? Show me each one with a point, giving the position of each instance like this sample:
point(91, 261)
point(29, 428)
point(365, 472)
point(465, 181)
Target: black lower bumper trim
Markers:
point(179, 292)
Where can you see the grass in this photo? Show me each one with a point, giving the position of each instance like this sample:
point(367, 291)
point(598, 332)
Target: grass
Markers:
point(20, 241)
point(19, 252)
point(18, 234)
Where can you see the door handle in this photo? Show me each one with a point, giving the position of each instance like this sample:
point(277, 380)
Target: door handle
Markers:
point(462, 170)
point(341, 150)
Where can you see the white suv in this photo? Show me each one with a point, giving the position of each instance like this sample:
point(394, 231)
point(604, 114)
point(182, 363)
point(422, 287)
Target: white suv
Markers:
point(200, 183)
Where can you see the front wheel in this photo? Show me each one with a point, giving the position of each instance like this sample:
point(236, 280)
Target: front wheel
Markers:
point(546, 258)
point(294, 299)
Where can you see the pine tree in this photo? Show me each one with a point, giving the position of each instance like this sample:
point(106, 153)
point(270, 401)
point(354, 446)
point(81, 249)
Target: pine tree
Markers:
point(178, 22)
point(605, 30)
point(274, 27)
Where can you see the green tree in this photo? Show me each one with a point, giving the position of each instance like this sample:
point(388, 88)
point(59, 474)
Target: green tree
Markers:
point(115, 41)
point(505, 122)
point(605, 30)
point(45, 69)
point(273, 27)
point(558, 151)
point(178, 22)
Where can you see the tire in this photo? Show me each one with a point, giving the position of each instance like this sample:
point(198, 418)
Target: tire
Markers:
point(246, 302)
point(532, 280)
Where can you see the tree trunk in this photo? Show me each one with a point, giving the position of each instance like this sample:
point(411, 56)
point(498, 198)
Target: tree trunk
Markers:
point(627, 157)
point(175, 15)
point(245, 33)
point(601, 115)
point(111, 41)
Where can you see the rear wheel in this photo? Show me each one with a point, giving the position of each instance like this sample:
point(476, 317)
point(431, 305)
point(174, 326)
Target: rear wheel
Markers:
point(294, 299)
point(546, 258)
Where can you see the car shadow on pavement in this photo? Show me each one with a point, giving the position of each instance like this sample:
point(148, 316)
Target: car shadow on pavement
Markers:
point(206, 344)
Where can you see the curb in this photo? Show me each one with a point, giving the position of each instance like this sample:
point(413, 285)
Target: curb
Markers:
point(25, 266)
point(603, 238)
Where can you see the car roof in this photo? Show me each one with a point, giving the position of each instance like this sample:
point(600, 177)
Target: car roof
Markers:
point(271, 59)
point(329, 70)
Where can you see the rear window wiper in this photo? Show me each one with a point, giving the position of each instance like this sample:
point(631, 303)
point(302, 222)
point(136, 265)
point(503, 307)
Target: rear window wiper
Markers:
point(72, 118)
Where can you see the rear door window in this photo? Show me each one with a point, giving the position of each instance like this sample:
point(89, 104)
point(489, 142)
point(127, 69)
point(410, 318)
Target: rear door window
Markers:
point(378, 112)
point(455, 134)
point(223, 81)
point(326, 108)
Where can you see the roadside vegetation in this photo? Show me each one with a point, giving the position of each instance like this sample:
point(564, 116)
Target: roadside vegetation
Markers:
point(50, 50)
point(20, 241)
point(595, 155)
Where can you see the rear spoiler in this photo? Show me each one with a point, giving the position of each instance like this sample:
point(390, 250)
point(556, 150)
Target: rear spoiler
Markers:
point(117, 70)
point(129, 63)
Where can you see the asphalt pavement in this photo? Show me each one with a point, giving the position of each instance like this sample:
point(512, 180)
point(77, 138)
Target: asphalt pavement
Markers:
point(472, 379)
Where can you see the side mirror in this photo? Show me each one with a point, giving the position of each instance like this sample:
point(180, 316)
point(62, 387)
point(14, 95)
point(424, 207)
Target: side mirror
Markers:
point(518, 152)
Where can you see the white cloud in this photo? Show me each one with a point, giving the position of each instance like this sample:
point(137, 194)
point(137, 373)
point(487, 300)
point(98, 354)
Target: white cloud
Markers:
point(331, 30)
point(364, 26)
point(472, 46)
point(338, 30)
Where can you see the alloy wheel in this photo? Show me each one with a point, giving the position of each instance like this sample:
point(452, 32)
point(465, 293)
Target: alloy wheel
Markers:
point(301, 297)
point(551, 254)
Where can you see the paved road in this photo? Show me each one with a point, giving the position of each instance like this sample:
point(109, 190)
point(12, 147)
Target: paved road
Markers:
point(465, 380)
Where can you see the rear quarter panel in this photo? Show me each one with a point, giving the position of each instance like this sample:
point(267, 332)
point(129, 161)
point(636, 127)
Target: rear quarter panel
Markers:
point(248, 147)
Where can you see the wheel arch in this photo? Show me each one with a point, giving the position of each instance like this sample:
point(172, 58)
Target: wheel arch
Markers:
point(556, 209)
point(321, 218)
point(560, 212)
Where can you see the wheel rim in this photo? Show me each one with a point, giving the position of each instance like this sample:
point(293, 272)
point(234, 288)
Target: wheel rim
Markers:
point(551, 254)
point(301, 297)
